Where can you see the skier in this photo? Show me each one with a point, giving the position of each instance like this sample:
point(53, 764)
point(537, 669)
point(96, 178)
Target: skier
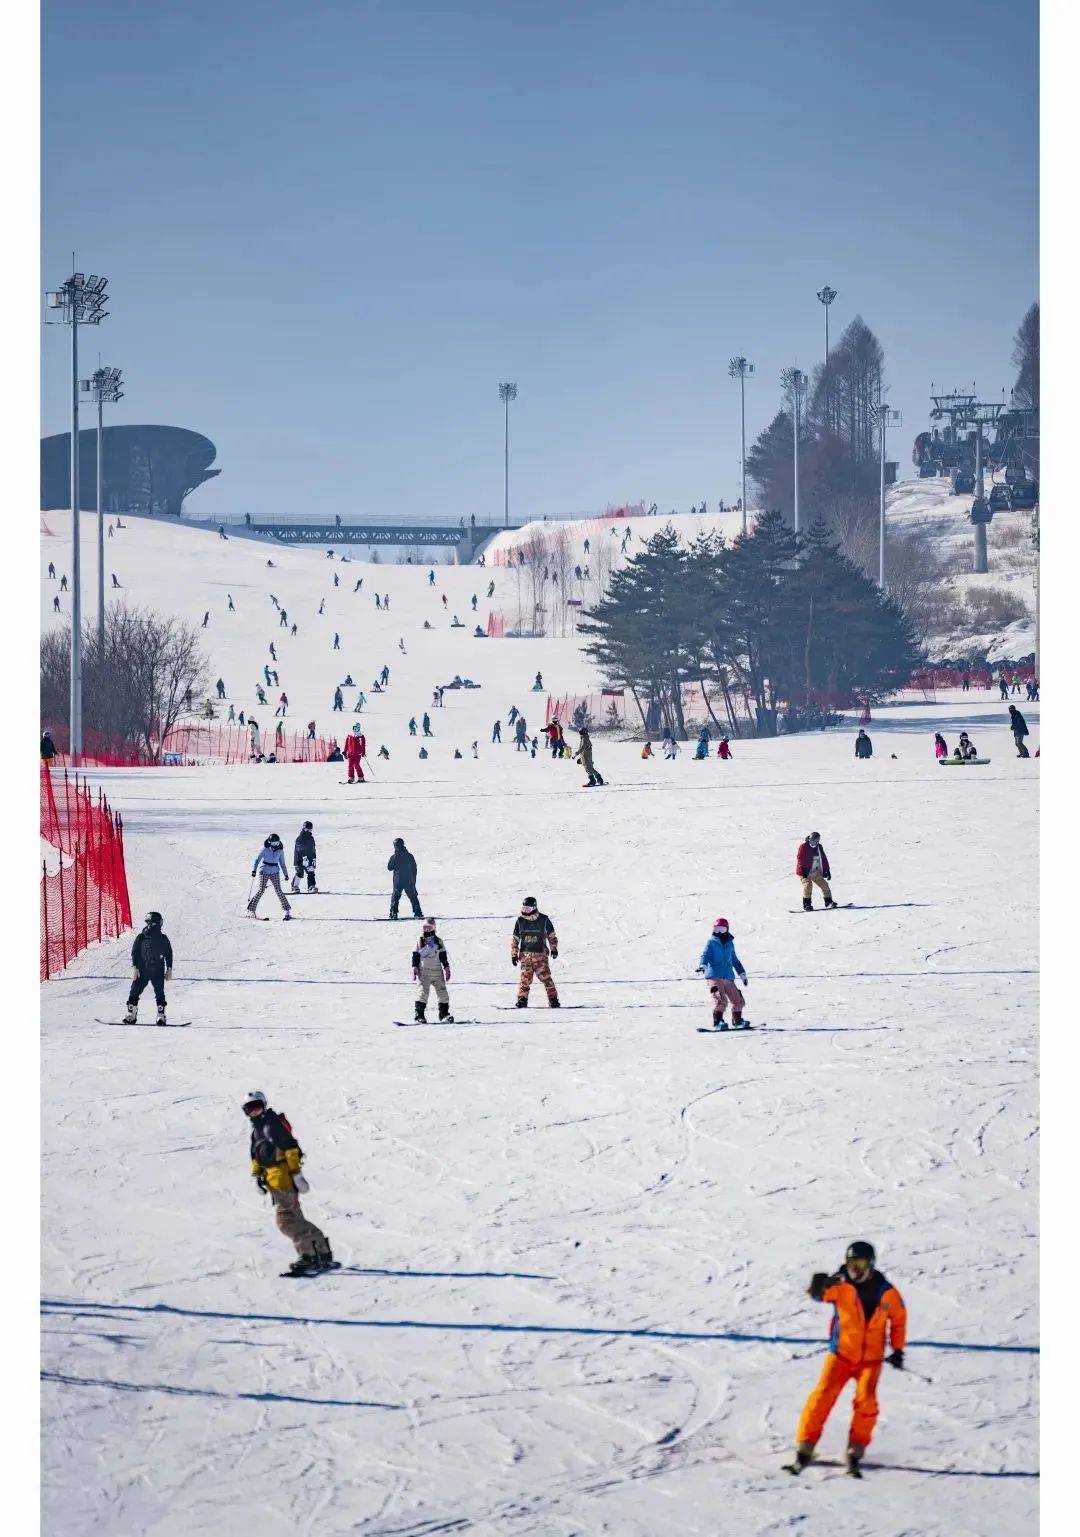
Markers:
point(491, 589)
point(273, 652)
point(63, 584)
point(812, 868)
point(355, 749)
point(403, 867)
point(232, 605)
point(1003, 683)
point(48, 749)
point(337, 642)
point(276, 1157)
point(532, 941)
point(206, 620)
point(474, 602)
point(719, 965)
point(864, 748)
point(865, 1306)
point(304, 858)
point(512, 717)
point(378, 601)
point(282, 704)
point(724, 749)
point(496, 731)
point(412, 725)
point(585, 758)
point(359, 584)
point(384, 676)
point(339, 699)
point(151, 966)
point(56, 605)
point(431, 969)
point(283, 620)
point(322, 604)
point(941, 747)
point(205, 617)
point(1019, 728)
point(269, 866)
point(671, 747)
point(702, 748)
point(52, 567)
point(519, 734)
point(431, 579)
point(538, 686)
point(337, 583)
point(220, 686)
point(427, 725)
point(232, 712)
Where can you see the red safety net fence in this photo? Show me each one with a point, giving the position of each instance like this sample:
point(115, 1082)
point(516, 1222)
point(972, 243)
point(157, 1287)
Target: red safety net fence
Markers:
point(496, 625)
point(84, 898)
point(233, 743)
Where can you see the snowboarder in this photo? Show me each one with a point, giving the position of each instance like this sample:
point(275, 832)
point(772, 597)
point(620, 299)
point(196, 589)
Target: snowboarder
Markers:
point(1003, 685)
point(812, 868)
point(533, 940)
point(337, 642)
point(384, 676)
point(719, 965)
point(412, 725)
point(282, 704)
point(585, 758)
point(671, 748)
point(359, 584)
point(427, 725)
point(48, 749)
point(496, 731)
point(865, 1307)
point(151, 966)
point(538, 686)
point(519, 734)
point(304, 858)
point(276, 1157)
point(232, 605)
point(513, 715)
point(941, 747)
point(220, 686)
point(1019, 728)
point(339, 699)
point(232, 713)
point(702, 748)
point(52, 567)
point(864, 748)
point(724, 749)
point(205, 617)
point(965, 748)
point(431, 969)
point(355, 749)
point(403, 867)
point(56, 605)
point(63, 584)
point(269, 866)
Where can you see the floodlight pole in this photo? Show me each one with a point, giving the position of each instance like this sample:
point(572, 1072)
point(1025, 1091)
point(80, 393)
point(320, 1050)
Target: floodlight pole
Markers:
point(883, 416)
point(795, 380)
point(826, 295)
point(738, 368)
point(100, 531)
point(75, 706)
point(507, 393)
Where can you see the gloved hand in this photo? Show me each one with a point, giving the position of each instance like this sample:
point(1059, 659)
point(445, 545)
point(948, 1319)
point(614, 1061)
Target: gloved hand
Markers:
point(896, 1359)
point(300, 1183)
point(513, 960)
point(415, 975)
point(168, 973)
point(744, 979)
point(554, 952)
point(699, 971)
point(448, 976)
point(134, 973)
point(819, 1282)
point(260, 1180)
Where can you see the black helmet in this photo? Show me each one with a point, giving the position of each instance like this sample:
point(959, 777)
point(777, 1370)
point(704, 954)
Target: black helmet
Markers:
point(273, 842)
point(860, 1250)
point(308, 826)
point(153, 920)
point(399, 843)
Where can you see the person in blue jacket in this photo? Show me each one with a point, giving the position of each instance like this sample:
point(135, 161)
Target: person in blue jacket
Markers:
point(720, 965)
point(270, 867)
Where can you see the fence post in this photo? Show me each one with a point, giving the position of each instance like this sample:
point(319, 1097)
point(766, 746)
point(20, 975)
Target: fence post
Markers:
point(63, 916)
point(45, 918)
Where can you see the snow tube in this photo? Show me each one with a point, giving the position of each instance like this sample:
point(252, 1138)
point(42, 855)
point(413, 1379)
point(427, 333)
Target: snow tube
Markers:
point(961, 762)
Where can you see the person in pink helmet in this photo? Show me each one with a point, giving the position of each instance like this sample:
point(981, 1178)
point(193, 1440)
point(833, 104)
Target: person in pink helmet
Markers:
point(720, 966)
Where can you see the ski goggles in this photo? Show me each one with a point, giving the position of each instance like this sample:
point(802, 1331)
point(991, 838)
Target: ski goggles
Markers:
point(859, 1269)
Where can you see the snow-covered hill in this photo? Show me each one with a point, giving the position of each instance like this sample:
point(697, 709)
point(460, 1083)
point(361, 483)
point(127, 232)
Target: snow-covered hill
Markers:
point(575, 1244)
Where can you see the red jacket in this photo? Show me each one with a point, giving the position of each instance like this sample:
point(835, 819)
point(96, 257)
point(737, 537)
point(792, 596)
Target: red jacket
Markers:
point(804, 860)
point(723, 751)
point(355, 747)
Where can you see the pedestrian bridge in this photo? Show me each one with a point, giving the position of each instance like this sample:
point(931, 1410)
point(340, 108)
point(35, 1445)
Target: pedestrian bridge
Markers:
point(465, 537)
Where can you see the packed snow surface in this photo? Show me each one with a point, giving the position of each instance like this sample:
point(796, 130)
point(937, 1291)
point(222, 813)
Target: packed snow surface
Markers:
point(575, 1244)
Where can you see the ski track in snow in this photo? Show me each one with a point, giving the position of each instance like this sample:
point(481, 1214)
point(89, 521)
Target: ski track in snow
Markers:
point(574, 1244)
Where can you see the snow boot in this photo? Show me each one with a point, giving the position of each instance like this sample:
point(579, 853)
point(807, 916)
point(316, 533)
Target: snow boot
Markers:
point(853, 1458)
point(804, 1456)
point(305, 1264)
point(807, 905)
point(132, 1015)
point(421, 1014)
point(294, 885)
point(830, 903)
point(285, 917)
point(393, 914)
point(553, 1003)
point(444, 1012)
point(521, 1003)
point(161, 1014)
point(719, 1022)
point(325, 1261)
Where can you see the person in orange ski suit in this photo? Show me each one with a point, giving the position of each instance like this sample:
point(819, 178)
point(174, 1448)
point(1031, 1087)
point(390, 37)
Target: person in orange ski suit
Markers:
point(866, 1307)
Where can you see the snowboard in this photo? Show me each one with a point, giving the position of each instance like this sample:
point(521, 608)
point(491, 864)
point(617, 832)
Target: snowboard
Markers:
point(731, 1029)
point(512, 1008)
point(149, 1024)
point(452, 1020)
point(287, 1275)
point(961, 762)
point(840, 906)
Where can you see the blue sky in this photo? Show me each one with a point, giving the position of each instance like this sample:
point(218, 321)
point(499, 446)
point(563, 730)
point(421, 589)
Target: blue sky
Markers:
point(331, 229)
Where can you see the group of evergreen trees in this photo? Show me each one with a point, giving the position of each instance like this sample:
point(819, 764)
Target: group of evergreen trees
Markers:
point(780, 621)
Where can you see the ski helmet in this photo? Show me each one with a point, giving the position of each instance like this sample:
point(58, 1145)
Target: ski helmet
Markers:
point(256, 1097)
point(429, 925)
point(861, 1255)
point(152, 920)
point(813, 837)
point(273, 842)
point(308, 826)
point(529, 905)
point(721, 923)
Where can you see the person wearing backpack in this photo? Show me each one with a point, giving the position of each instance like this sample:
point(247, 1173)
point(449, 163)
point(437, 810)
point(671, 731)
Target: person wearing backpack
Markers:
point(276, 1157)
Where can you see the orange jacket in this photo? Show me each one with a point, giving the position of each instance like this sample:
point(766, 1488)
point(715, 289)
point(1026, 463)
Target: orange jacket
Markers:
point(856, 1338)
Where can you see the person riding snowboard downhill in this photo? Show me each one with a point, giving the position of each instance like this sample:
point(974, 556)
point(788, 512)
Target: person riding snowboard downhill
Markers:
point(355, 749)
point(276, 1157)
point(402, 866)
point(304, 858)
point(151, 966)
point(532, 941)
point(812, 868)
point(865, 1307)
point(431, 969)
point(719, 964)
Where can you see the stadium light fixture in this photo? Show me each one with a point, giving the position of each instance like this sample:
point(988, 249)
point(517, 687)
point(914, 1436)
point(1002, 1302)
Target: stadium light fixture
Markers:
point(507, 393)
point(74, 304)
point(738, 368)
point(103, 387)
point(826, 296)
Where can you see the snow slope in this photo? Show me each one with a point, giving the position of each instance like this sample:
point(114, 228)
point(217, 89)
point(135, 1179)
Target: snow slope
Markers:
point(575, 1244)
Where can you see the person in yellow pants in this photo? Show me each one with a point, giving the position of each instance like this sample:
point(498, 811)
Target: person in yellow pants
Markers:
point(866, 1309)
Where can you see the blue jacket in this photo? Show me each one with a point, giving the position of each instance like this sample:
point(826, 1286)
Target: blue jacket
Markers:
point(270, 860)
point(720, 961)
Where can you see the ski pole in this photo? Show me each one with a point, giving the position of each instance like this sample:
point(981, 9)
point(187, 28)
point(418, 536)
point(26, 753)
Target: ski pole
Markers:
point(907, 1371)
point(367, 765)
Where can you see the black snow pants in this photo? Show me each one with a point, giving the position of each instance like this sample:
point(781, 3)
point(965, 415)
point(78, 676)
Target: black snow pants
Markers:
point(145, 979)
point(409, 890)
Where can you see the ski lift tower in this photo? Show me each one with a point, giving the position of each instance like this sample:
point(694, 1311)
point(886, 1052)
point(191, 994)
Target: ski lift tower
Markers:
point(967, 411)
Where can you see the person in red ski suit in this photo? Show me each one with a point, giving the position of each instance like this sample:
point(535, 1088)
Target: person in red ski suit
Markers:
point(355, 749)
